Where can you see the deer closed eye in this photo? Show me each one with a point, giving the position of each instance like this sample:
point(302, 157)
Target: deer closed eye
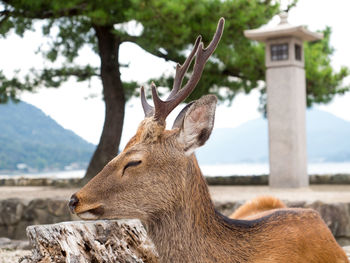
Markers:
point(131, 164)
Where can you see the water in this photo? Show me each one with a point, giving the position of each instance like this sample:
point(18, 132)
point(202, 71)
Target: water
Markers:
point(212, 170)
point(54, 174)
point(263, 168)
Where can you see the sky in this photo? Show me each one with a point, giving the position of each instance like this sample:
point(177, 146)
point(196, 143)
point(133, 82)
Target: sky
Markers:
point(79, 106)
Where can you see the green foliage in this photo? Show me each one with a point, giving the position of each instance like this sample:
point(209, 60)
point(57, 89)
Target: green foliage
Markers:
point(9, 88)
point(322, 82)
point(237, 64)
point(169, 29)
point(29, 136)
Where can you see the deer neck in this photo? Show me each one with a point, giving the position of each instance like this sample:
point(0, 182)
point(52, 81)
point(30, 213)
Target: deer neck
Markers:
point(190, 226)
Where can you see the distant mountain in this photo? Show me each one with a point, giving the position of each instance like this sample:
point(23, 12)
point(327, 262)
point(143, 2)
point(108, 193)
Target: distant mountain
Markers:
point(327, 141)
point(31, 140)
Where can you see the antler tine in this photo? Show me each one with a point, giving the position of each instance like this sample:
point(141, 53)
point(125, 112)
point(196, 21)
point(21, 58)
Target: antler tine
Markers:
point(201, 58)
point(163, 108)
point(182, 69)
point(156, 100)
point(148, 109)
point(179, 75)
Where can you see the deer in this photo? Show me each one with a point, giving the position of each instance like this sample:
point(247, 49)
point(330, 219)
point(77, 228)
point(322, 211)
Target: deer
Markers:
point(255, 208)
point(157, 179)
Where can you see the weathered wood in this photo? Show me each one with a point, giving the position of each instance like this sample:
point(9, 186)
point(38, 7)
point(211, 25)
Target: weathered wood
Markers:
point(91, 241)
point(347, 251)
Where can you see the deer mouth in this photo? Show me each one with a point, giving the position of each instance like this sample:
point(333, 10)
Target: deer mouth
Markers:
point(91, 214)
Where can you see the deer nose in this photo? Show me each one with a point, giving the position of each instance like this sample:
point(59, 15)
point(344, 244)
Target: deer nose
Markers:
point(73, 203)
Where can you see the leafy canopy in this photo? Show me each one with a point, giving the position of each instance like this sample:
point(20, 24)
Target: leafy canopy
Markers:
point(168, 30)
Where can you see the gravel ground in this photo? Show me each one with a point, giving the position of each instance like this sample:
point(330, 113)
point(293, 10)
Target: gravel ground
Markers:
point(325, 193)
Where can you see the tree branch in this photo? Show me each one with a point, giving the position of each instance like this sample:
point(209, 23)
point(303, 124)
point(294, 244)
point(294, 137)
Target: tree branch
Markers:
point(232, 72)
point(124, 37)
point(5, 14)
point(82, 73)
point(44, 14)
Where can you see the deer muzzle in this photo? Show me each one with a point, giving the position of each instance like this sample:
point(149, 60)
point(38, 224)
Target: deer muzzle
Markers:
point(88, 212)
point(73, 202)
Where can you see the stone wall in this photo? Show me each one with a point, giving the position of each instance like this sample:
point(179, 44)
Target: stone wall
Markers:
point(17, 214)
point(264, 179)
point(212, 180)
point(25, 181)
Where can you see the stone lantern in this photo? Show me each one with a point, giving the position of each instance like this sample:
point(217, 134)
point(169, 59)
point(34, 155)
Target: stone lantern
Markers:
point(286, 100)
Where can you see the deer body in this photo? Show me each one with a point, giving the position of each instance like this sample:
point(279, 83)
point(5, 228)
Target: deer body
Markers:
point(194, 232)
point(157, 180)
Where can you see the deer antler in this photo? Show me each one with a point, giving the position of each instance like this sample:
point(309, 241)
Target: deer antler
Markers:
point(163, 108)
point(179, 75)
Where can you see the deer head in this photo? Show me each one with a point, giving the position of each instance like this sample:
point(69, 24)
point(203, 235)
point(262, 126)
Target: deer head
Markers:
point(149, 177)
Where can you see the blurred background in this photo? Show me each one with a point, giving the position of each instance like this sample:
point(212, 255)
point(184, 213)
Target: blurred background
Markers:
point(70, 77)
point(62, 62)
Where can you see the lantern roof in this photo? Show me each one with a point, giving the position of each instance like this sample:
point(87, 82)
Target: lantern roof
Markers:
point(283, 29)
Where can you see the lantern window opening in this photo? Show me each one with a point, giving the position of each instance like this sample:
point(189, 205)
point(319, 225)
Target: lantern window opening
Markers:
point(279, 52)
point(297, 51)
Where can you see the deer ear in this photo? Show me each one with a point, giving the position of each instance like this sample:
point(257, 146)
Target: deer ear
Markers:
point(197, 123)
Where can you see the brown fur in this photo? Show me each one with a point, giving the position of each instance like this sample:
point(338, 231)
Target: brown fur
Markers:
point(168, 193)
point(252, 209)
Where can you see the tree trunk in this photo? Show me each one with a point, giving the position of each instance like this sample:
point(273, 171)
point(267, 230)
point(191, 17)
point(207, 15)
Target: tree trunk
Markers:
point(113, 93)
point(94, 241)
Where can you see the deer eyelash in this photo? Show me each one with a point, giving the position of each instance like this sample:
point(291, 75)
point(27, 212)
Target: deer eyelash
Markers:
point(130, 164)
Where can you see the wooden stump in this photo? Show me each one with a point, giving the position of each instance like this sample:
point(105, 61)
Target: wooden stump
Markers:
point(90, 241)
